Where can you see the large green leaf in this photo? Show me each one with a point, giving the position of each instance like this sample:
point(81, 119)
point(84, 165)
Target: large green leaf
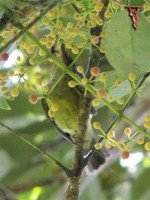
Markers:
point(128, 49)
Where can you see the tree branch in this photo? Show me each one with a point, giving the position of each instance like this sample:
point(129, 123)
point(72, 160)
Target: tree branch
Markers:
point(72, 191)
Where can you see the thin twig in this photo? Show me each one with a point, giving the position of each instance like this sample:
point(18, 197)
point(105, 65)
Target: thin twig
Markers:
point(67, 171)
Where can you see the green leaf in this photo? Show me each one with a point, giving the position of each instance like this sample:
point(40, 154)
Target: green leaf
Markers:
point(128, 49)
point(4, 105)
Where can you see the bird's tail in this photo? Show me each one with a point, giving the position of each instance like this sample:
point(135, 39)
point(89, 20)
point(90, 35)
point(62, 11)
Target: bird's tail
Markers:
point(99, 156)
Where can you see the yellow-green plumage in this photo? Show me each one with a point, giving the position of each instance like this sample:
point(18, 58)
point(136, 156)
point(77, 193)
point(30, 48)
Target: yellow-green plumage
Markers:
point(68, 101)
point(66, 118)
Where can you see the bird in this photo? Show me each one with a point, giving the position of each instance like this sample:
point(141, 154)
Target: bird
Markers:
point(66, 119)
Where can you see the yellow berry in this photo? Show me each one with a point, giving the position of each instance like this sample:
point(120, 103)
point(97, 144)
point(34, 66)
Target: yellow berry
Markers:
point(95, 102)
point(50, 44)
point(30, 49)
point(72, 84)
point(120, 101)
point(127, 131)
point(147, 118)
point(4, 89)
point(80, 69)
point(115, 6)
point(131, 77)
point(33, 87)
point(108, 144)
point(14, 92)
point(103, 34)
point(98, 146)
point(125, 154)
point(102, 50)
point(99, 21)
point(44, 21)
point(147, 124)
point(42, 53)
point(77, 15)
point(3, 76)
point(107, 14)
point(103, 77)
point(43, 41)
point(96, 125)
point(5, 34)
point(91, 24)
point(26, 85)
point(4, 42)
point(111, 134)
point(69, 25)
point(79, 4)
point(75, 50)
point(22, 70)
point(69, 40)
point(121, 146)
point(32, 60)
point(59, 24)
point(110, 97)
point(11, 73)
point(146, 7)
point(2, 83)
point(118, 82)
point(79, 45)
point(45, 88)
point(51, 13)
point(39, 82)
point(140, 140)
point(147, 146)
point(98, 6)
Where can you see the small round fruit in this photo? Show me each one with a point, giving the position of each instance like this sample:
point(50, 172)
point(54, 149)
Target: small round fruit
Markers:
point(127, 131)
point(96, 125)
point(125, 155)
point(95, 71)
point(101, 93)
point(140, 140)
point(98, 146)
point(14, 92)
point(95, 102)
point(72, 84)
point(33, 98)
point(4, 56)
point(131, 77)
point(147, 146)
point(80, 69)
